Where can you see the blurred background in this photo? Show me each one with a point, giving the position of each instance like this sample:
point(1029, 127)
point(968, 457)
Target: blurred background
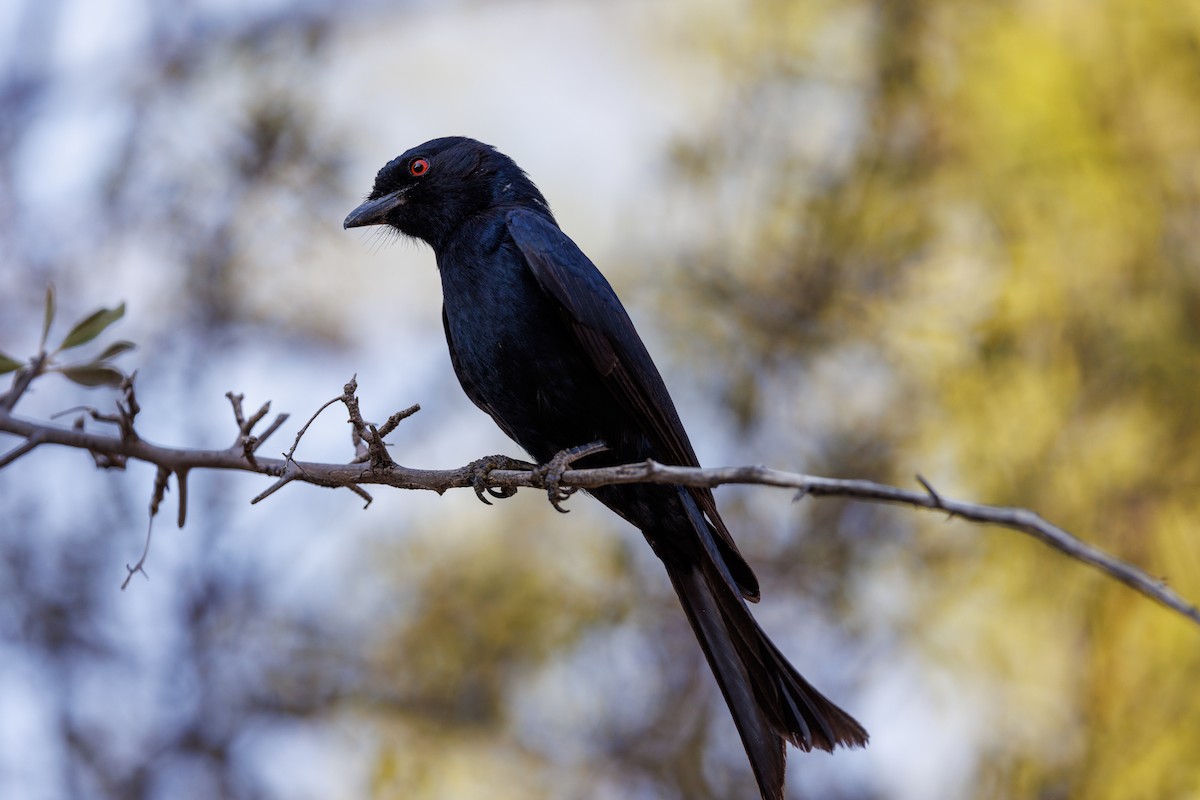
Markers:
point(862, 239)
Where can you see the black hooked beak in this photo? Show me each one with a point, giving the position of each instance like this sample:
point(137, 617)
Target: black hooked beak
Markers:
point(375, 212)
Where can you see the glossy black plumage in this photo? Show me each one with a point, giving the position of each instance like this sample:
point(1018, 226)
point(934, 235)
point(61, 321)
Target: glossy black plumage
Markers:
point(540, 342)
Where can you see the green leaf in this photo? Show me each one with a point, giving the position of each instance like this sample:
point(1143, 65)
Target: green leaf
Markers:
point(48, 316)
point(92, 326)
point(8, 364)
point(93, 375)
point(115, 349)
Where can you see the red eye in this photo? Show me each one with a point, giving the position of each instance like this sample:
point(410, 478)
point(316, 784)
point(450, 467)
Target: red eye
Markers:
point(418, 167)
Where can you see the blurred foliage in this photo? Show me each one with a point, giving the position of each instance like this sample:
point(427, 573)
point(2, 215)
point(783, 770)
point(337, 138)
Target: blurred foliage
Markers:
point(95, 371)
point(1005, 241)
point(478, 611)
point(954, 238)
point(143, 695)
point(479, 620)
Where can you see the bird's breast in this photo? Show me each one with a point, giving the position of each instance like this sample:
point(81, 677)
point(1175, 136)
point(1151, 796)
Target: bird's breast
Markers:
point(516, 358)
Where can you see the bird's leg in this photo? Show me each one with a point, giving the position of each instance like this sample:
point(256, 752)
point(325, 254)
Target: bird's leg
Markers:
point(481, 468)
point(552, 471)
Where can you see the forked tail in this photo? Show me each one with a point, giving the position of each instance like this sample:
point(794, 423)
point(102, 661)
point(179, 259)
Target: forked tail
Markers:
point(770, 701)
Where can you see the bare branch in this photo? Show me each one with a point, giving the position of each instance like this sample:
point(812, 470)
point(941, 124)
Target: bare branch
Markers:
point(245, 424)
point(396, 419)
point(381, 470)
point(17, 452)
point(235, 400)
point(256, 441)
point(1019, 519)
point(367, 433)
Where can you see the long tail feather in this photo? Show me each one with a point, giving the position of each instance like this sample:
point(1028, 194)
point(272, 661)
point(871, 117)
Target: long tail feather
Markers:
point(770, 701)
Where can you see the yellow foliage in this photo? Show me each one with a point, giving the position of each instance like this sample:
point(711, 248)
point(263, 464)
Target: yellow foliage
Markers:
point(1018, 236)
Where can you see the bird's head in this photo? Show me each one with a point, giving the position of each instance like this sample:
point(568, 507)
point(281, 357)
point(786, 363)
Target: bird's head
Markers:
point(429, 191)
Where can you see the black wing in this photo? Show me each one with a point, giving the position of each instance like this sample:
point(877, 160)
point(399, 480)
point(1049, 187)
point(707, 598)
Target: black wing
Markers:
point(604, 331)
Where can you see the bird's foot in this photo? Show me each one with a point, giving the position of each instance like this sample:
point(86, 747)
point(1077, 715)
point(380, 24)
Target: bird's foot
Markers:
point(481, 469)
point(552, 471)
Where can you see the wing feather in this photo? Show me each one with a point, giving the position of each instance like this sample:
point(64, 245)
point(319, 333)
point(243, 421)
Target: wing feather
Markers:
point(604, 331)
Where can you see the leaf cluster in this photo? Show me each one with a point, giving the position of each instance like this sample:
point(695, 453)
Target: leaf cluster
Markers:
point(97, 370)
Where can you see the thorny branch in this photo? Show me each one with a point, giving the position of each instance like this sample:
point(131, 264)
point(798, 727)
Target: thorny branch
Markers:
point(374, 466)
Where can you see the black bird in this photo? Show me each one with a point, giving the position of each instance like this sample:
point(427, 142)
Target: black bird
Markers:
point(540, 342)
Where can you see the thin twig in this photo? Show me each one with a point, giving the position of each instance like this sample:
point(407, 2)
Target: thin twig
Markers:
point(161, 479)
point(287, 477)
point(361, 492)
point(17, 452)
point(303, 430)
point(396, 419)
point(363, 432)
point(274, 426)
point(22, 379)
point(140, 566)
point(235, 400)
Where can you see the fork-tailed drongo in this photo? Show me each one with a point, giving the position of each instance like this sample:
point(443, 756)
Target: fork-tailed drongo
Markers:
point(540, 342)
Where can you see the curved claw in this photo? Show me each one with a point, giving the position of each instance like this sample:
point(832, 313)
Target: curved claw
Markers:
point(552, 471)
point(481, 469)
point(477, 485)
point(558, 495)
